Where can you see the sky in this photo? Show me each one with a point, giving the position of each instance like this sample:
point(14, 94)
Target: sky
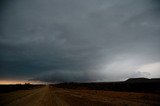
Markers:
point(79, 40)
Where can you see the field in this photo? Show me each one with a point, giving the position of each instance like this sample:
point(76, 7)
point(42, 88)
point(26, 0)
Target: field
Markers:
point(78, 94)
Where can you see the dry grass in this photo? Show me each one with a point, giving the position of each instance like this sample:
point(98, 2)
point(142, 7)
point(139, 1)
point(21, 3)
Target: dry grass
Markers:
point(52, 96)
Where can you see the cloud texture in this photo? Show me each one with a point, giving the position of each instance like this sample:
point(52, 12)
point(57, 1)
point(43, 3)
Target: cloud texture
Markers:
point(78, 40)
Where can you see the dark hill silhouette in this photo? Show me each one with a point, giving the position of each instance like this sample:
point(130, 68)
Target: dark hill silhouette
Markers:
point(137, 80)
point(130, 85)
point(142, 80)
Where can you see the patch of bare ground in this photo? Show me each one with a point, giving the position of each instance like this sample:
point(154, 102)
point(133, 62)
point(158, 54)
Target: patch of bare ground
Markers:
point(97, 97)
point(52, 96)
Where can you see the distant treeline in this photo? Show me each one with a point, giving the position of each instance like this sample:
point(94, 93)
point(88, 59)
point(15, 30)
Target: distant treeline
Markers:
point(131, 85)
point(10, 88)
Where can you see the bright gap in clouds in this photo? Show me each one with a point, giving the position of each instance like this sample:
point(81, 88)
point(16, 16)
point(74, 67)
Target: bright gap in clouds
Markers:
point(152, 70)
point(123, 67)
point(7, 82)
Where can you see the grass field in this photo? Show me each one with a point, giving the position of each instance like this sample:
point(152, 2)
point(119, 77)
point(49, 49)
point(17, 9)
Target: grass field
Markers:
point(81, 94)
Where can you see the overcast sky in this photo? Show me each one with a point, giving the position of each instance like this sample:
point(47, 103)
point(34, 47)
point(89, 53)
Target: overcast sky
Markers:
point(79, 40)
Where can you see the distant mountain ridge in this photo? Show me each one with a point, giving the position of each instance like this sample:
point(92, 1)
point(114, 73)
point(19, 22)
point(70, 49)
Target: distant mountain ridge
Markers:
point(130, 85)
point(143, 80)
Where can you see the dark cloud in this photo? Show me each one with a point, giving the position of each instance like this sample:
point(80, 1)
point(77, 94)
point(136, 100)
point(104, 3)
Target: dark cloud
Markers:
point(59, 40)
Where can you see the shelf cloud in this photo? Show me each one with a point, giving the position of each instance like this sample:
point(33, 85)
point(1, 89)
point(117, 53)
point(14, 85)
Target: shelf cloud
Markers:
point(79, 40)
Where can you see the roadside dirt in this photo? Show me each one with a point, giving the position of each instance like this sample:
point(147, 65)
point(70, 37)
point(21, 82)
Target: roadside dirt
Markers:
point(51, 96)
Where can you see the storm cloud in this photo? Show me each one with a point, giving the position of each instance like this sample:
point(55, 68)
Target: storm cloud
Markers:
point(79, 40)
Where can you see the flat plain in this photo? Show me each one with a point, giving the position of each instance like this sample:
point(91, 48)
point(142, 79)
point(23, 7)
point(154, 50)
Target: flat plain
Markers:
point(49, 95)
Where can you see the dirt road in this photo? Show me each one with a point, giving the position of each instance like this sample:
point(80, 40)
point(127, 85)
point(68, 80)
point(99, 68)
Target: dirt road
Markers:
point(51, 96)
